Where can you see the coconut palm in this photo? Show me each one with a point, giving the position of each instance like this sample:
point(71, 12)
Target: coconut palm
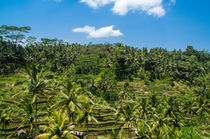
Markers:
point(68, 100)
point(189, 108)
point(57, 128)
point(87, 115)
point(203, 108)
point(144, 111)
point(127, 115)
point(154, 101)
point(26, 112)
point(36, 86)
point(144, 108)
point(124, 94)
point(173, 110)
point(161, 127)
point(142, 129)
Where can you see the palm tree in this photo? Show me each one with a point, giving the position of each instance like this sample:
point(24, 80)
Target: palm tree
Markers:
point(154, 101)
point(26, 112)
point(57, 128)
point(189, 108)
point(36, 86)
point(68, 100)
point(144, 110)
point(87, 112)
point(203, 108)
point(142, 128)
point(127, 116)
point(173, 110)
point(160, 126)
point(124, 94)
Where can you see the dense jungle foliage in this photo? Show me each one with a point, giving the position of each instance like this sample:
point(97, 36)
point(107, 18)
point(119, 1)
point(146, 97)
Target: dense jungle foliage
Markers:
point(51, 89)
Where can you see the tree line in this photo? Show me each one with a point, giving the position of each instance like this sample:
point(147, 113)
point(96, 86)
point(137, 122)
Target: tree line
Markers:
point(125, 62)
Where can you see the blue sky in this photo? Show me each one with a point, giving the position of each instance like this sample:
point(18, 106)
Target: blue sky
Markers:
point(139, 23)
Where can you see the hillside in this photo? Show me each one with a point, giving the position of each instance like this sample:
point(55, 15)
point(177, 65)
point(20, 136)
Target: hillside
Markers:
point(104, 90)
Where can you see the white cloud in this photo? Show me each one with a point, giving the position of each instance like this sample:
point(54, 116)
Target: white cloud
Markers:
point(97, 3)
point(122, 7)
point(158, 11)
point(99, 33)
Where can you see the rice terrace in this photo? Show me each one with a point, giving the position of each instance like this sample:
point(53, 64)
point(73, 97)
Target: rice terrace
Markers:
point(111, 84)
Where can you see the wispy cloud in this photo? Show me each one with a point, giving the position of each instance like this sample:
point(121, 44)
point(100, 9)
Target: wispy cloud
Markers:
point(122, 7)
point(103, 32)
point(97, 3)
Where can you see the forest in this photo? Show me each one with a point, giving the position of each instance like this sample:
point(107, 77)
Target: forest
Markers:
point(52, 89)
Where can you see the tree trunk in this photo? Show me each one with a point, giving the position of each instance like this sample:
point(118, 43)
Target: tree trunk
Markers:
point(69, 113)
point(5, 131)
point(87, 127)
point(1, 39)
point(36, 117)
point(129, 132)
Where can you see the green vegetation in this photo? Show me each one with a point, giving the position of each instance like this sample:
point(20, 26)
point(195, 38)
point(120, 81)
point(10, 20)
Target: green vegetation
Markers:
point(50, 88)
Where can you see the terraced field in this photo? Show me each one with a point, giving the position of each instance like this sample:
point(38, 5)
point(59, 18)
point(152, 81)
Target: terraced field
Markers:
point(12, 87)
